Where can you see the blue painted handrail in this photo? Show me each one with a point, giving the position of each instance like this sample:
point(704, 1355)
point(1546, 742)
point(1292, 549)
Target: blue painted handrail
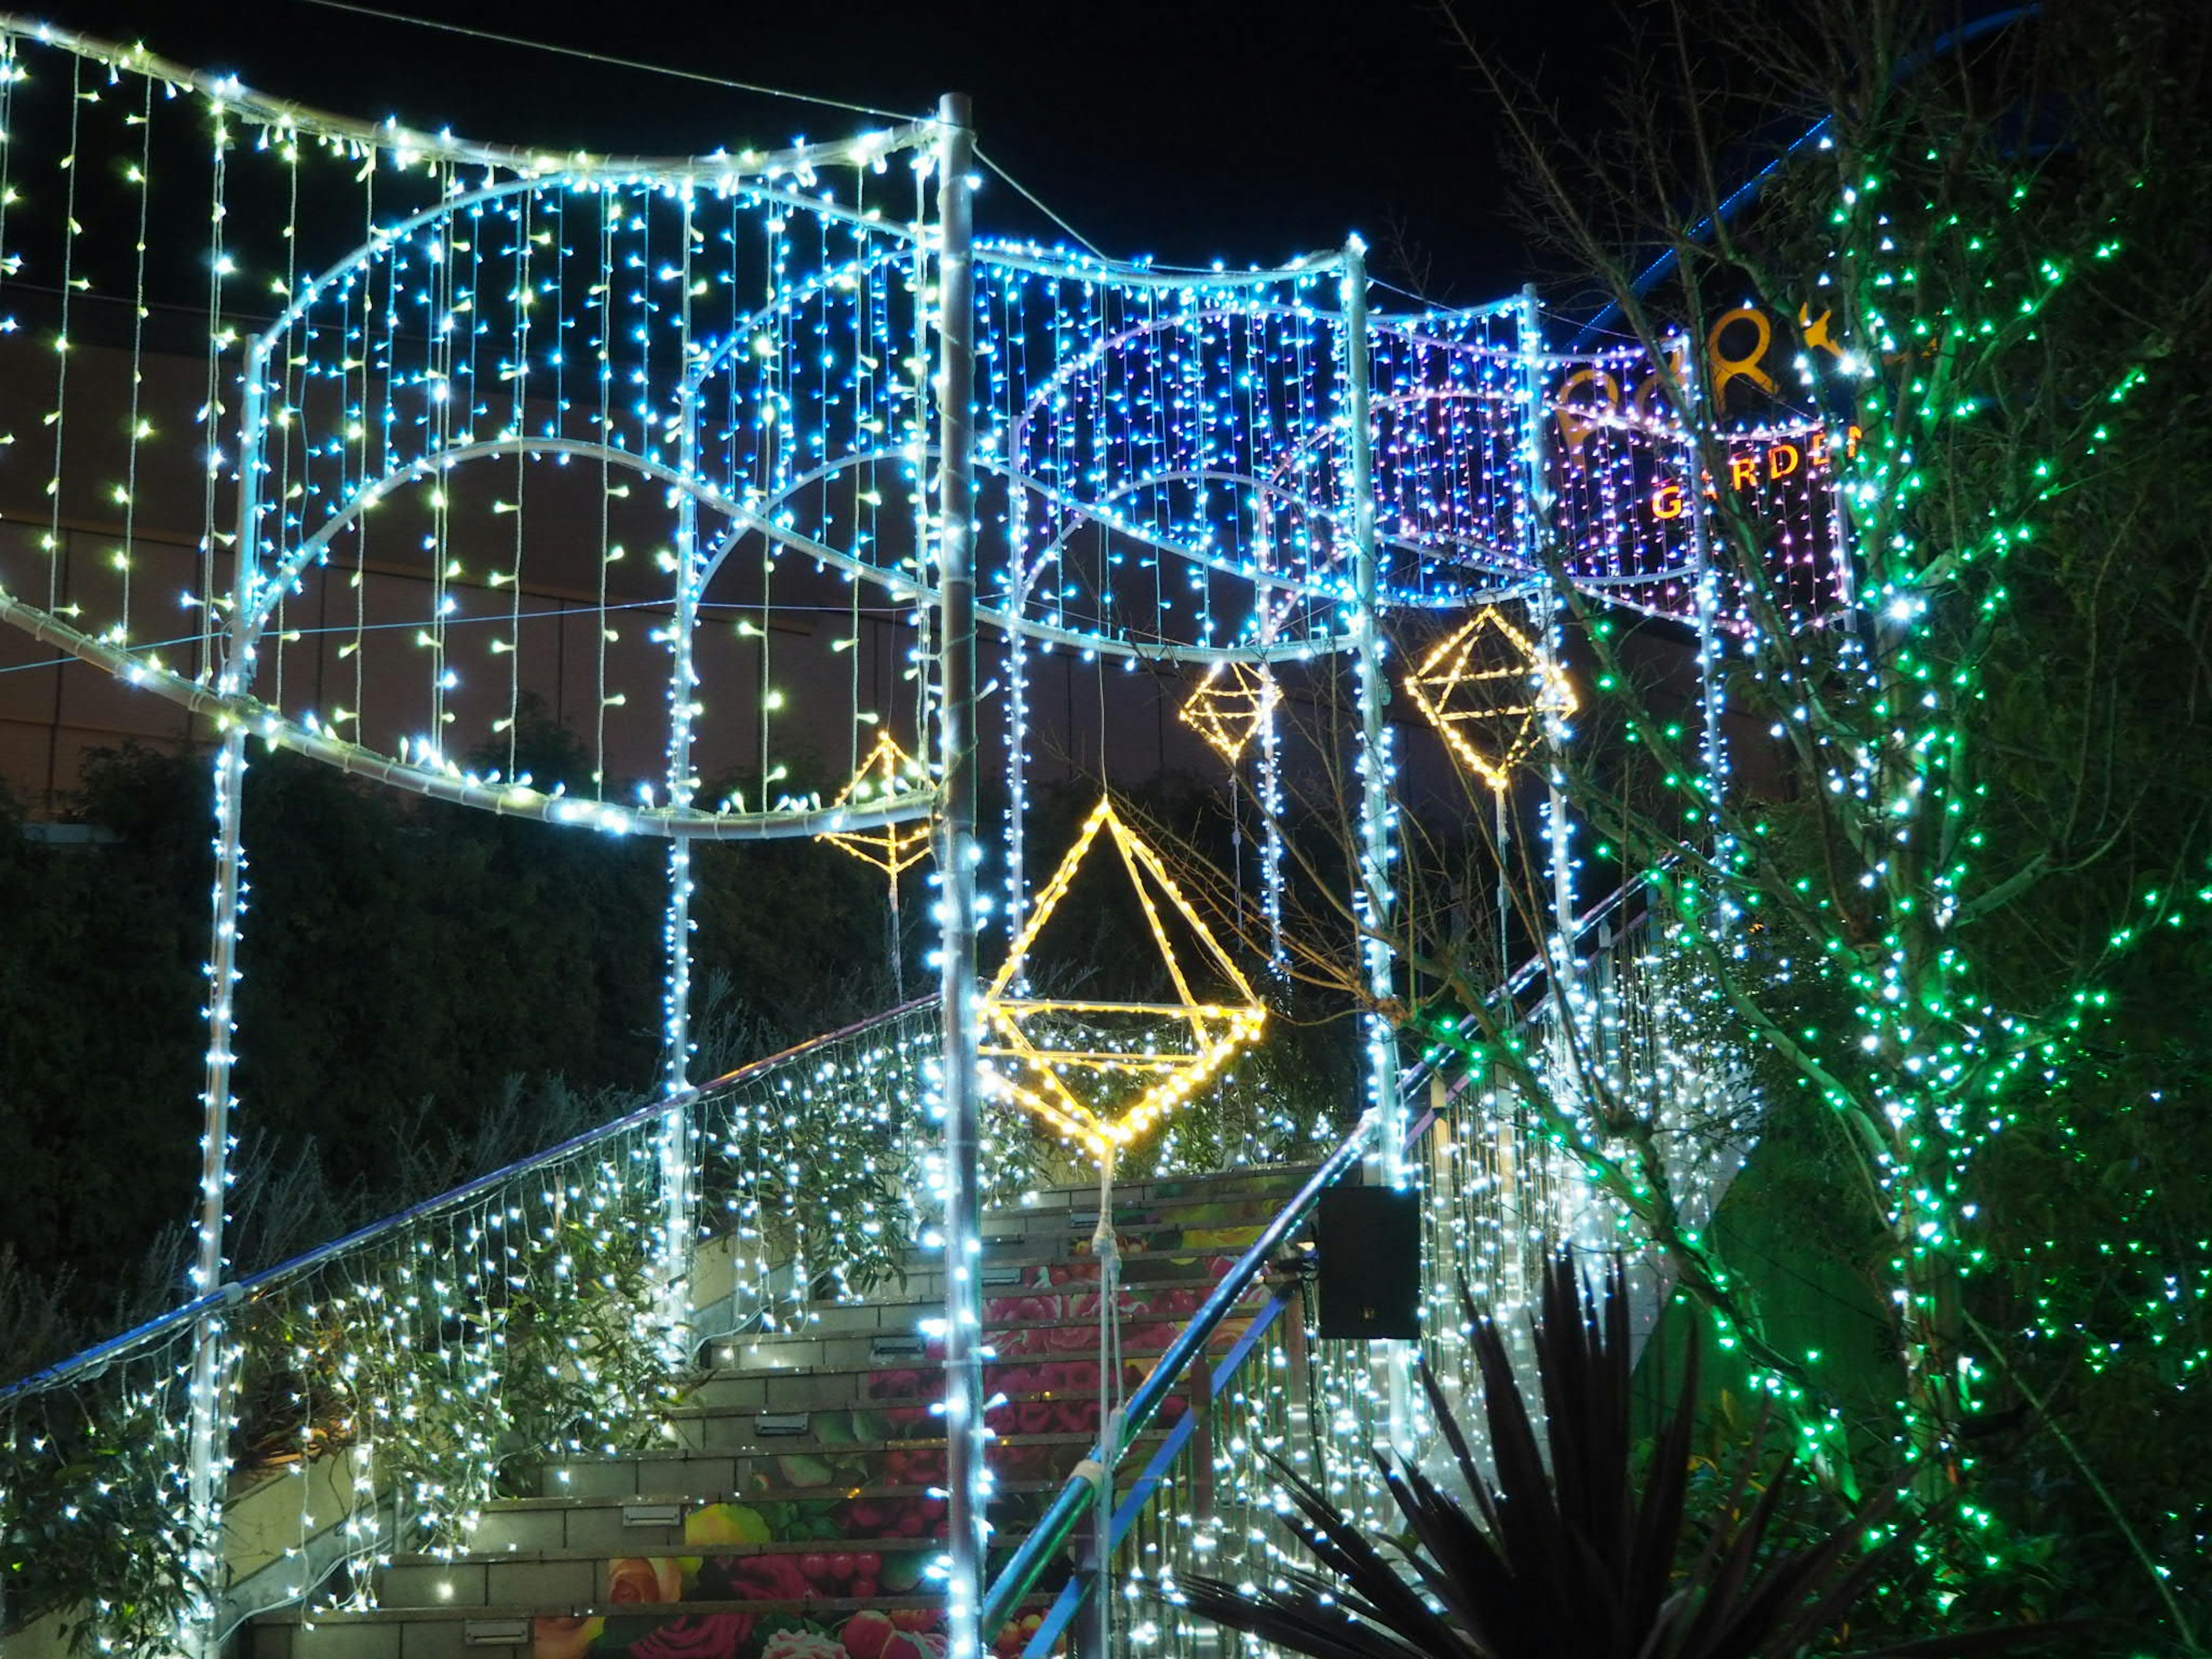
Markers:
point(97, 1359)
point(1749, 192)
point(1080, 1495)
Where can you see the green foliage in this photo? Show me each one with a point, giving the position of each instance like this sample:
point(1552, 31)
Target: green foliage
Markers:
point(420, 982)
point(1563, 1545)
point(78, 1511)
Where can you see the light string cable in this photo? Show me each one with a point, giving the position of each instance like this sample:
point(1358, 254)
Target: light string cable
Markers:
point(609, 60)
point(1106, 1249)
point(141, 175)
point(71, 231)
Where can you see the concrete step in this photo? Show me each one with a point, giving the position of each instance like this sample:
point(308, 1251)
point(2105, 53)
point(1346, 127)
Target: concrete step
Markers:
point(1173, 1296)
point(875, 1421)
point(919, 1380)
point(550, 1579)
point(1195, 1210)
point(889, 1458)
point(573, 1632)
point(833, 1420)
point(1286, 1178)
point(1057, 1341)
point(753, 1477)
point(612, 1527)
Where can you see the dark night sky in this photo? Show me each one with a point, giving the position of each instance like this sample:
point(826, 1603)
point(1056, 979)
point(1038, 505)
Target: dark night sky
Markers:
point(1222, 128)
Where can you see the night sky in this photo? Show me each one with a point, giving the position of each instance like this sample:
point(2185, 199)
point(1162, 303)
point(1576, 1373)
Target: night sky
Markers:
point(1229, 129)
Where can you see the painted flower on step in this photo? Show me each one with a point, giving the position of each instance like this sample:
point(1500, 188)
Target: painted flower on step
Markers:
point(769, 1578)
point(1077, 1376)
point(914, 1644)
point(645, 1578)
point(866, 1634)
point(712, 1635)
point(726, 1523)
point(563, 1638)
point(801, 1645)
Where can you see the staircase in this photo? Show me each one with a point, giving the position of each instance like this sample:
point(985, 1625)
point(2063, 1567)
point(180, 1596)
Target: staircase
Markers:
point(799, 1499)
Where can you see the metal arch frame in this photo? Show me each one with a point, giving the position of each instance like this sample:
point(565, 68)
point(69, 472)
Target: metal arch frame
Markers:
point(253, 596)
point(254, 717)
point(1095, 353)
point(797, 160)
point(386, 238)
point(256, 591)
point(1100, 272)
point(903, 237)
point(1498, 557)
point(914, 588)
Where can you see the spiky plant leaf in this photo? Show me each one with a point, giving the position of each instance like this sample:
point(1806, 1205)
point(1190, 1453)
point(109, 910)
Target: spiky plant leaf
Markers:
point(1568, 1556)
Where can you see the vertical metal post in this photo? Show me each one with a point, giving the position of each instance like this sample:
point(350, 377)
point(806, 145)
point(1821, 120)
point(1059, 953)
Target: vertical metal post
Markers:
point(208, 1432)
point(682, 786)
point(1373, 894)
point(1268, 788)
point(1709, 643)
point(1017, 759)
point(967, 1478)
point(922, 659)
point(1536, 527)
point(676, 1185)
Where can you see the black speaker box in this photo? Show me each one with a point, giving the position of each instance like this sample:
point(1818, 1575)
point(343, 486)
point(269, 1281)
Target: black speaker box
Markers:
point(1369, 1241)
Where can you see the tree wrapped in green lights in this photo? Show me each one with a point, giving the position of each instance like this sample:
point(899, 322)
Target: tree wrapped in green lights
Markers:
point(1945, 835)
point(1931, 863)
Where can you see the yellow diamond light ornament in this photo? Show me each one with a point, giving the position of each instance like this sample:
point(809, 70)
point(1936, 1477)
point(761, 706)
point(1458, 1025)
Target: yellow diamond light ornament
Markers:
point(1101, 1072)
point(1488, 676)
point(888, 772)
point(1230, 705)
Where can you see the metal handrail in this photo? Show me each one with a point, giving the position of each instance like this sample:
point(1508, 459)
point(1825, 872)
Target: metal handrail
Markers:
point(97, 1359)
point(1079, 1494)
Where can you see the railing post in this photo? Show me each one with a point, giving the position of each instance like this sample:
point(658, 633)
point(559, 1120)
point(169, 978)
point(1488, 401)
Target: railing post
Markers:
point(1536, 527)
point(1372, 896)
point(968, 1478)
point(1695, 419)
point(676, 932)
point(208, 1428)
point(676, 1183)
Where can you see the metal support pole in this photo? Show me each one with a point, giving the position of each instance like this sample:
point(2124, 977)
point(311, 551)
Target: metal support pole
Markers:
point(1269, 789)
point(1017, 762)
point(208, 1432)
point(676, 1185)
point(1535, 526)
point(967, 1478)
point(1710, 640)
point(1372, 896)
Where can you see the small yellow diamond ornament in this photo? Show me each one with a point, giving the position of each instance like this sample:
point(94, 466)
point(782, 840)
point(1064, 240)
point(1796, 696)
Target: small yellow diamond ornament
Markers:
point(1230, 705)
point(1100, 1073)
point(888, 772)
point(1488, 677)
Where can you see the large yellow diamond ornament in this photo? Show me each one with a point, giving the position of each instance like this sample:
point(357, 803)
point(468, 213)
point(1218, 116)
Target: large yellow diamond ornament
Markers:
point(1101, 1072)
point(1230, 705)
point(1488, 678)
point(888, 772)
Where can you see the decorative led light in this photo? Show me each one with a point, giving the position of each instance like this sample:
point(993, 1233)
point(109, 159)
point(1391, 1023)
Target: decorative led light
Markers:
point(1185, 468)
point(888, 772)
point(1488, 673)
point(1030, 1067)
point(1230, 706)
